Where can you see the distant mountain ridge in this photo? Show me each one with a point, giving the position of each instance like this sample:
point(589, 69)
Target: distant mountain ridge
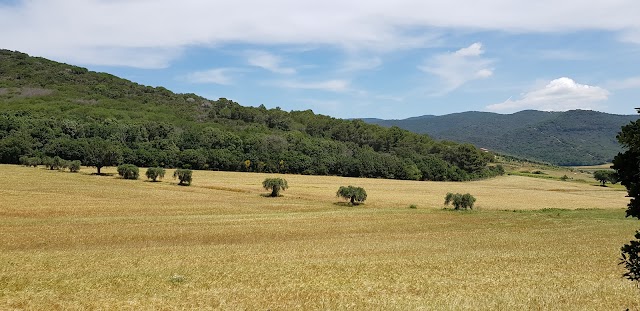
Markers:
point(575, 137)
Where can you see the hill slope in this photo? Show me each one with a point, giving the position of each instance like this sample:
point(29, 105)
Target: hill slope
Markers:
point(577, 137)
point(50, 109)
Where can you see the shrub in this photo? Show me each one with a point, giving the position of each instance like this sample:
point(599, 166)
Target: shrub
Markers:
point(154, 173)
point(459, 201)
point(275, 185)
point(413, 206)
point(355, 195)
point(128, 171)
point(184, 176)
point(74, 166)
point(564, 177)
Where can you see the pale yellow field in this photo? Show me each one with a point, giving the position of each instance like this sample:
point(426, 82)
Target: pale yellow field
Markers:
point(76, 241)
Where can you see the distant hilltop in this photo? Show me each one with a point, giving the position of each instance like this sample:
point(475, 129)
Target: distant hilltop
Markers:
point(575, 137)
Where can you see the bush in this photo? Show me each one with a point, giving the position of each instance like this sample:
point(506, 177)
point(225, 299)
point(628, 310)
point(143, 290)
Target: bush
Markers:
point(128, 171)
point(154, 173)
point(564, 177)
point(460, 201)
point(413, 206)
point(74, 166)
point(355, 195)
point(184, 175)
point(275, 185)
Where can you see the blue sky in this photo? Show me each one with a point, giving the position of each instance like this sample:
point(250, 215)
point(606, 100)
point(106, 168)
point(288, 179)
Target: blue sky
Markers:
point(384, 59)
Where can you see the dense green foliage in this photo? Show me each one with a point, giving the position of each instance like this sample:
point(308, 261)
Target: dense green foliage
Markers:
point(53, 109)
point(355, 195)
point(275, 185)
point(185, 176)
point(128, 171)
point(460, 201)
point(154, 173)
point(576, 137)
point(628, 172)
point(604, 176)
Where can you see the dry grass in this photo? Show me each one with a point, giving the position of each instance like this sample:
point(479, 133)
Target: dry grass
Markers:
point(76, 241)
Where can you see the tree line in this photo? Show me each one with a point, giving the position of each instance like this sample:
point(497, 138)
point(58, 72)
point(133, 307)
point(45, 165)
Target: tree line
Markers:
point(350, 148)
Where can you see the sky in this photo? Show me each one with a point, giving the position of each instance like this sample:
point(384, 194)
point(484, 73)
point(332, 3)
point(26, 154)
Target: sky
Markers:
point(351, 59)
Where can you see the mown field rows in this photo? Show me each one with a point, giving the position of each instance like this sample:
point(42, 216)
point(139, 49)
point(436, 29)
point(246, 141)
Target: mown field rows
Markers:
point(77, 241)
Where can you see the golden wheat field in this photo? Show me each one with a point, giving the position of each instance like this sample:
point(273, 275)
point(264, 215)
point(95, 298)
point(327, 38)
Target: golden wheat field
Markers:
point(83, 242)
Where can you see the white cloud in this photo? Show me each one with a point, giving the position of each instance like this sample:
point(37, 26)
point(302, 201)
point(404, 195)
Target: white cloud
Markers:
point(269, 62)
point(222, 76)
point(59, 28)
point(328, 85)
point(459, 67)
point(558, 95)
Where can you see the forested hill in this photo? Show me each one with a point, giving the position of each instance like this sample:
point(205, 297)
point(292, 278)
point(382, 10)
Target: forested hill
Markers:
point(50, 109)
point(576, 137)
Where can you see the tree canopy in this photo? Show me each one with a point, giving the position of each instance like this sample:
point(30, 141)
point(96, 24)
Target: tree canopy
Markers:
point(628, 171)
point(355, 195)
point(275, 185)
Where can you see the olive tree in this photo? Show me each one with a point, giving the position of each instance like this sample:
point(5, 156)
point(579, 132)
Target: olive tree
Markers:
point(184, 176)
point(275, 185)
point(154, 173)
point(628, 171)
point(128, 171)
point(355, 195)
point(460, 201)
point(74, 166)
point(604, 176)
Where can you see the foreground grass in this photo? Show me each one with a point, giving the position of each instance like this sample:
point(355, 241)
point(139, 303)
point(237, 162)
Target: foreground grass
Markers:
point(75, 241)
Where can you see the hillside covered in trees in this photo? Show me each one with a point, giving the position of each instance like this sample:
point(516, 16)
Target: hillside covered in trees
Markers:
point(54, 109)
point(576, 137)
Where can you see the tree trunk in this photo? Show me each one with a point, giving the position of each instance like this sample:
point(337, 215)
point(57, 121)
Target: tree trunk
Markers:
point(98, 167)
point(353, 202)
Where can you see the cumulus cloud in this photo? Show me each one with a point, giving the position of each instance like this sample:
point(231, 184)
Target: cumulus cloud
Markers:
point(269, 62)
point(222, 76)
point(558, 95)
point(43, 27)
point(328, 85)
point(459, 67)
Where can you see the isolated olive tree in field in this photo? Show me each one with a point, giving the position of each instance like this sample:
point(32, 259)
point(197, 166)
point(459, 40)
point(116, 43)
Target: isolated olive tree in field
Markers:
point(275, 185)
point(355, 195)
point(604, 176)
point(154, 173)
point(128, 171)
point(460, 201)
point(184, 176)
point(628, 172)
